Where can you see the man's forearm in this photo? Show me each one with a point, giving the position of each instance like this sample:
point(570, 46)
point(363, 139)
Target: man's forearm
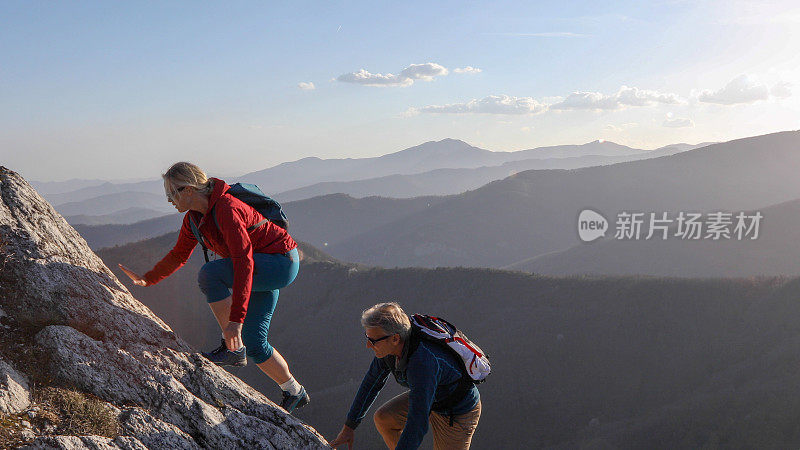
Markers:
point(371, 385)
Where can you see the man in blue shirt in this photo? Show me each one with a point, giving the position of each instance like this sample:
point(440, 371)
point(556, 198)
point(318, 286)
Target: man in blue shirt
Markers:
point(439, 392)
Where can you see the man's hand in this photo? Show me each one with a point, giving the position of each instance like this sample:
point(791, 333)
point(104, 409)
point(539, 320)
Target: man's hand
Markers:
point(137, 280)
point(345, 437)
point(233, 336)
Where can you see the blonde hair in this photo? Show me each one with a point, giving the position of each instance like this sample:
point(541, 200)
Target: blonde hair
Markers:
point(390, 317)
point(187, 174)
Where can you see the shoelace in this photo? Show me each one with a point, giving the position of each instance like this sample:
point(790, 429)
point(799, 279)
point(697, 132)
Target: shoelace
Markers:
point(219, 349)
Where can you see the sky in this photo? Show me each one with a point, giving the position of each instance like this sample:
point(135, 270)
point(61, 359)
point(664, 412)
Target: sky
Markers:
point(121, 90)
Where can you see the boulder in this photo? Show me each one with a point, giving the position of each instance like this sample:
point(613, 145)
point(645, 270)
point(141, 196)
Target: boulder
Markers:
point(98, 338)
point(14, 394)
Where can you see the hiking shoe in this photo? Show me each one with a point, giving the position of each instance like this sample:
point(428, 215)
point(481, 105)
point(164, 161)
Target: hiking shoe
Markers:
point(292, 402)
point(221, 356)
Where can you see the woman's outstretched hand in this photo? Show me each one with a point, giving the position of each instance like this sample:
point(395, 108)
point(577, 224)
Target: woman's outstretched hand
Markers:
point(233, 336)
point(137, 280)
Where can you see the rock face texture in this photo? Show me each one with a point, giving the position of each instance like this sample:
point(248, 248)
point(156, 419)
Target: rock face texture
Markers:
point(97, 338)
point(14, 395)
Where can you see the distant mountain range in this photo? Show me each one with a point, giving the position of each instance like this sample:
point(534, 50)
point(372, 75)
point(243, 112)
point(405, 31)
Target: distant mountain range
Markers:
point(444, 154)
point(112, 203)
point(535, 212)
point(427, 157)
point(578, 362)
point(155, 187)
point(126, 216)
point(58, 187)
point(324, 220)
point(110, 235)
point(511, 222)
point(455, 181)
point(776, 251)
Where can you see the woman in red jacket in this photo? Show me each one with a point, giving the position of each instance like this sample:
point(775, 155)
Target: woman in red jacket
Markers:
point(242, 286)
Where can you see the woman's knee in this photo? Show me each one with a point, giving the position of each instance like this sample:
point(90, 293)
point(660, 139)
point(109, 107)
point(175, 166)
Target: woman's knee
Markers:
point(206, 277)
point(212, 282)
point(259, 351)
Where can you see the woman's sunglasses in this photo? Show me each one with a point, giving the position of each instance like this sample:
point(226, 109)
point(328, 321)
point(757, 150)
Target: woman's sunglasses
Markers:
point(171, 197)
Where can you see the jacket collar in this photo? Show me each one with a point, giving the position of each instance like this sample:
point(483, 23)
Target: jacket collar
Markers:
point(219, 189)
point(402, 361)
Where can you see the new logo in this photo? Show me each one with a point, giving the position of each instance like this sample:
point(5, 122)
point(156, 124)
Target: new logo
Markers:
point(591, 225)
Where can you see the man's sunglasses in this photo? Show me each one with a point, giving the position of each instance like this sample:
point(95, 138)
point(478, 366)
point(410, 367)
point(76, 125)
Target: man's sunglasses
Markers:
point(374, 341)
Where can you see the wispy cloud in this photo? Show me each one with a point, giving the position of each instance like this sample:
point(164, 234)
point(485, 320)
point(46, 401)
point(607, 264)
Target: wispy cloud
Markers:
point(306, 86)
point(424, 72)
point(625, 96)
point(468, 69)
point(492, 104)
point(564, 34)
point(742, 89)
point(505, 104)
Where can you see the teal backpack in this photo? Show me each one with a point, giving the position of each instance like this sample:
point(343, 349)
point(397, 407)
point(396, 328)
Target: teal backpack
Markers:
point(253, 196)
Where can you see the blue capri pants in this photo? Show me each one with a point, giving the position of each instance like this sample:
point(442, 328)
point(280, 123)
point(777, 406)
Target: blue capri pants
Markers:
point(271, 272)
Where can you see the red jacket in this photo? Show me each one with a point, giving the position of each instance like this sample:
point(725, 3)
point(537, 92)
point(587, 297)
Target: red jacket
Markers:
point(232, 241)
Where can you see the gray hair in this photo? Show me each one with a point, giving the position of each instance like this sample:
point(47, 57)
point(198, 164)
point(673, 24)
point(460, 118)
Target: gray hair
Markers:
point(186, 174)
point(390, 317)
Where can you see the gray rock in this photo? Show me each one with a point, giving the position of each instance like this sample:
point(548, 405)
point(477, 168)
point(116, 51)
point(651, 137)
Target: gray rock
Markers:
point(27, 434)
point(154, 433)
point(100, 339)
point(14, 394)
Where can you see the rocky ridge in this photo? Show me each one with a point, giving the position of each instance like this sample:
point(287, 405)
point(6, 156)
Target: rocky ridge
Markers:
point(68, 320)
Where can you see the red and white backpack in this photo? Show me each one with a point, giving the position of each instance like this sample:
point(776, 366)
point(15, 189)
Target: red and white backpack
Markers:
point(434, 329)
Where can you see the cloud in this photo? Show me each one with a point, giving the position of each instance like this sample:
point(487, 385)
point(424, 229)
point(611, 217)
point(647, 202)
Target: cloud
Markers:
point(504, 104)
point(741, 89)
point(306, 86)
point(625, 96)
point(678, 122)
point(374, 79)
point(781, 90)
point(468, 69)
point(492, 104)
point(424, 72)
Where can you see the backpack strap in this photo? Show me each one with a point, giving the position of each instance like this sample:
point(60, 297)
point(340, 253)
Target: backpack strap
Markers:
point(198, 235)
point(250, 228)
point(465, 383)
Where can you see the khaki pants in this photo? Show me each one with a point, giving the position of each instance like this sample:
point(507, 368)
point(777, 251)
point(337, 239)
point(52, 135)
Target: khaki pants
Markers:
point(391, 417)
